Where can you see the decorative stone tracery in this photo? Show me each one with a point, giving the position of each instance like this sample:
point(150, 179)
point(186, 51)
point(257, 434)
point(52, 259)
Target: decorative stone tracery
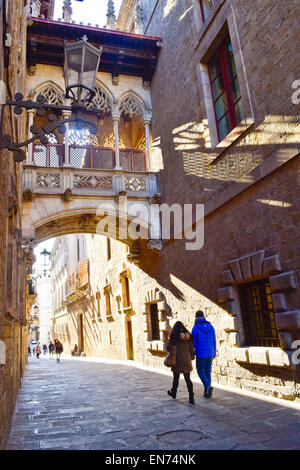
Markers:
point(92, 182)
point(101, 100)
point(52, 95)
point(48, 180)
point(81, 137)
point(129, 105)
point(109, 141)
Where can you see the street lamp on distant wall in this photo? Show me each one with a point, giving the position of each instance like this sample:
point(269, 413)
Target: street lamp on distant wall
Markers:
point(81, 67)
point(46, 258)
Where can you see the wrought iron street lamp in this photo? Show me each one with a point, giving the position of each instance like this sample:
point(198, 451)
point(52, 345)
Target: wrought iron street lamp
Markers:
point(46, 259)
point(81, 67)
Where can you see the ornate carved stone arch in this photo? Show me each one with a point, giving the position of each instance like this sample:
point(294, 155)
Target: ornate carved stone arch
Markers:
point(109, 141)
point(103, 99)
point(131, 104)
point(52, 93)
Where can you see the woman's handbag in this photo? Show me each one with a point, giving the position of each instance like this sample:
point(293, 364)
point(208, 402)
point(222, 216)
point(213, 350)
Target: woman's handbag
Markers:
point(170, 359)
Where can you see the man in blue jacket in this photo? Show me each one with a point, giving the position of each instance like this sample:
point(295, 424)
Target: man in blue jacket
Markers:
point(204, 338)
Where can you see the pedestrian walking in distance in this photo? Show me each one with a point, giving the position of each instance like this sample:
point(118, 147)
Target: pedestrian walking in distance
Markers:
point(51, 349)
point(204, 339)
point(29, 351)
point(181, 338)
point(58, 349)
point(38, 351)
point(45, 349)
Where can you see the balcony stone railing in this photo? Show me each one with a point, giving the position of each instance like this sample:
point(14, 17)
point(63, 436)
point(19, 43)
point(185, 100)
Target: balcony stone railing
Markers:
point(90, 170)
point(88, 157)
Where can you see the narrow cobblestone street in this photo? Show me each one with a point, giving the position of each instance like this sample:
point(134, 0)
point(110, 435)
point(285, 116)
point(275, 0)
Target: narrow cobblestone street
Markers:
point(93, 405)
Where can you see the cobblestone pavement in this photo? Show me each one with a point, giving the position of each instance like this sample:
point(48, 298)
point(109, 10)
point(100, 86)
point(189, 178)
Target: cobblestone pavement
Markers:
point(85, 405)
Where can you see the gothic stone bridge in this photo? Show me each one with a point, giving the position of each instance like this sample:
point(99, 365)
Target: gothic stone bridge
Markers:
point(59, 200)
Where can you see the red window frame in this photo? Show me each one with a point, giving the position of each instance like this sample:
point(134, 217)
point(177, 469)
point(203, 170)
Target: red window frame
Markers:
point(202, 9)
point(221, 54)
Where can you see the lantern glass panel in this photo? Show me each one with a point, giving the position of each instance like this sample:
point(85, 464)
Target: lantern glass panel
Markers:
point(90, 68)
point(74, 67)
point(81, 61)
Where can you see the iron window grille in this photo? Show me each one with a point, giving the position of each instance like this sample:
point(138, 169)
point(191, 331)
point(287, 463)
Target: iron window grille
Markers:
point(225, 90)
point(258, 314)
point(154, 322)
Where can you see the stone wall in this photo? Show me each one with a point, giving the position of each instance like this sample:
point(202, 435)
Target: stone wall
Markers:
point(247, 183)
point(249, 196)
point(13, 327)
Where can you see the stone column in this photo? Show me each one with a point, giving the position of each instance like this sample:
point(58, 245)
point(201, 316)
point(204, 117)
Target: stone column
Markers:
point(66, 115)
point(31, 114)
point(148, 142)
point(116, 120)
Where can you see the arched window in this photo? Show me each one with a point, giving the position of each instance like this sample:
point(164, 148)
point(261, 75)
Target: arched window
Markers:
point(101, 100)
point(142, 144)
point(130, 105)
point(51, 95)
point(109, 141)
point(52, 139)
point(82, 137)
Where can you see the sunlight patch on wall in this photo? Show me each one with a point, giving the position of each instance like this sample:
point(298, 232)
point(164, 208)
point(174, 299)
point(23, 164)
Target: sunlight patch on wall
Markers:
point(170, 4)
point(272, 202)
point(188, 136)
point(156, 155)
point(185, 13)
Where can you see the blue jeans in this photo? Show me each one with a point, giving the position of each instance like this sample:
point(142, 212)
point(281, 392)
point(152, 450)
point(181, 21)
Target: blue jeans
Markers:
point(203, 365)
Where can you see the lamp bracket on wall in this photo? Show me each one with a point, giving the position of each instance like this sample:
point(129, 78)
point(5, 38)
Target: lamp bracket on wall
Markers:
point(77, 109)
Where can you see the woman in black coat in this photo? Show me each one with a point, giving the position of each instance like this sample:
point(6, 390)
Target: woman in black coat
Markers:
point(185, 353)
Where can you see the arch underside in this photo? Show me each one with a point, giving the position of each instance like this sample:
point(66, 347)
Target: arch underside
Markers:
point(112, 225)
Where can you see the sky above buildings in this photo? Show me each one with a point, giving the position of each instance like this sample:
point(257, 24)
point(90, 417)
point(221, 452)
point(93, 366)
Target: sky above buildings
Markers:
point(88, 11)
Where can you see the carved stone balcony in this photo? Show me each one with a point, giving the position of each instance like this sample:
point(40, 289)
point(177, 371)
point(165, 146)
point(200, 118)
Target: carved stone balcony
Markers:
point(90, 172)
point(61, 198)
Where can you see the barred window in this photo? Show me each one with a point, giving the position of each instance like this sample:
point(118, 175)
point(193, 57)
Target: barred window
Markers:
point(258, 313)
point(154, 322)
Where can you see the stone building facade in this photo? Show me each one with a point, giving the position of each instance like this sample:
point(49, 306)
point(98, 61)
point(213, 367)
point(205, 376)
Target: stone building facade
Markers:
point(15, 256)
point(242, 163)
point(246, 173)
point(216, 80)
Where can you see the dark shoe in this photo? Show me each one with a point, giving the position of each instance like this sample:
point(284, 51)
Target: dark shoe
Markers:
point(171, 393)
point(208, 392)
point(191, 399)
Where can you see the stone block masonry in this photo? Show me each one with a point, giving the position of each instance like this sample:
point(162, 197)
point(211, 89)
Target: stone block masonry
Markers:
point(13, 329)
point(251, 197)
